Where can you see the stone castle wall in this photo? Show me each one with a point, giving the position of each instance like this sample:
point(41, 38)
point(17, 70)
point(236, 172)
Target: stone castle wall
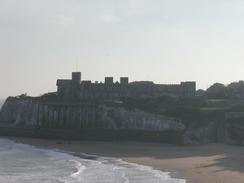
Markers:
point(110, 90)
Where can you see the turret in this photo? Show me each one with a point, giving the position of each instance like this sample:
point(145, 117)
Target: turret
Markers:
point(188, 88)
point(109, 81)
point(124, 80)
point(76, 77)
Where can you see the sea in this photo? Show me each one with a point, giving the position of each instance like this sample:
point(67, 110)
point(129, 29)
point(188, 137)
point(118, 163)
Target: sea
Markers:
point(20, 163)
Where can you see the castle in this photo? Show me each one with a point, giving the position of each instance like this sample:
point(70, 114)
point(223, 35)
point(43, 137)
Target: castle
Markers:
point(76, 88)
point(85, 110)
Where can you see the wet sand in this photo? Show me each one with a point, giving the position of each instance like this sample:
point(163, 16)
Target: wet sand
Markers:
point(213, 163)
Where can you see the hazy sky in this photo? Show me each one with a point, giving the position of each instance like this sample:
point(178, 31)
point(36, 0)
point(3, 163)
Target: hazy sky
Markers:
point(166, 41)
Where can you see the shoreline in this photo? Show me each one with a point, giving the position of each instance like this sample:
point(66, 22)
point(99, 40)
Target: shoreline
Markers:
point(213, 163)
point(22, 140)
point(171, 173)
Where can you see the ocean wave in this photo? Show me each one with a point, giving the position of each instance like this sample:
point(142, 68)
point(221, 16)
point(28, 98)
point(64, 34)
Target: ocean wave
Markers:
point(80, 169)
point(28, 164)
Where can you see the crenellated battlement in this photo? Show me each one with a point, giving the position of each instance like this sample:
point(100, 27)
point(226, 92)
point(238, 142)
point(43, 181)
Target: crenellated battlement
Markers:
point(86, 89)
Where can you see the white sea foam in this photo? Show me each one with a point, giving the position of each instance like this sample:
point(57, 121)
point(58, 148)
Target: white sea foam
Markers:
point(21, 163)
point(80, 168)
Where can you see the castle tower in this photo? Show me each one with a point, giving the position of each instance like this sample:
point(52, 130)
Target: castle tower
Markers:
point(124, 80)
point(124, 83)
point(188, 88)
point(76, 81)
point(109, 87)
point(76, 77)
point(109, 81)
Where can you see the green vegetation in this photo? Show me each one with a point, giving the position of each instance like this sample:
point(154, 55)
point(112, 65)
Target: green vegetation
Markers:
point(234, 90)
point(193, 111)
point(209, 106)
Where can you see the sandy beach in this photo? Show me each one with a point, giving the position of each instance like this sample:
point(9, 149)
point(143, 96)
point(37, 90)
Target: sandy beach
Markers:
point(213, 163)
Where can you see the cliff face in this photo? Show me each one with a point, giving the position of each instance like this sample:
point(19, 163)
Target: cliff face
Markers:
point(39, 114)
point(30, 112)
point(120, 118)
point(1, 103)
point(201, 135)
point(17, 111)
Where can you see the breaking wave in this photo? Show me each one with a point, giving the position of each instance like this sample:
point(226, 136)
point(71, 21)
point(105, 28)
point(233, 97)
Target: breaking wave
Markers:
point(28, 164)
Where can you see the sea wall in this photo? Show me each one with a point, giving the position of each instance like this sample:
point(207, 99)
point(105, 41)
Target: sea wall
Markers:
point(168, 137)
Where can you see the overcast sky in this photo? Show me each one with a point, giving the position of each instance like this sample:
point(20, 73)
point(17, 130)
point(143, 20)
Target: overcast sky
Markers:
point(166, 41)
